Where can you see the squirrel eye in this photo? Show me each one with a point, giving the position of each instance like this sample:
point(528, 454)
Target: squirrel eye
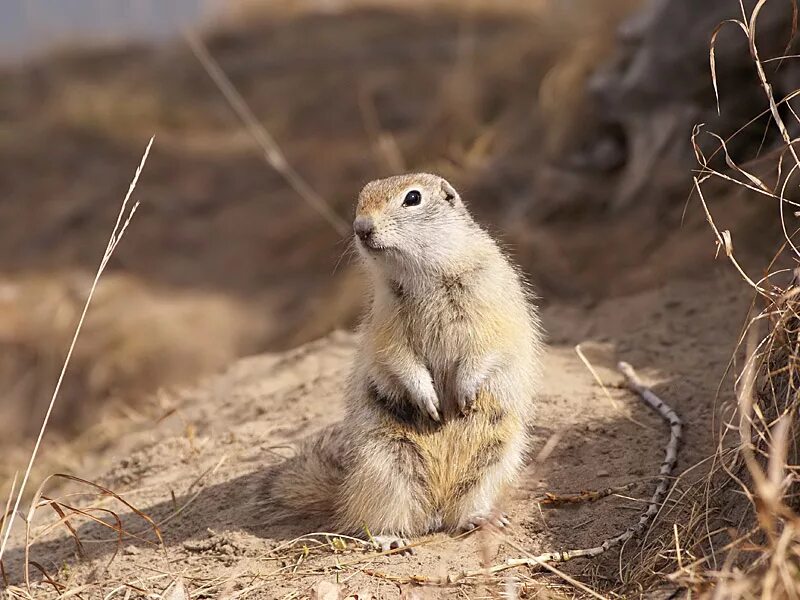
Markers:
point(412, 198)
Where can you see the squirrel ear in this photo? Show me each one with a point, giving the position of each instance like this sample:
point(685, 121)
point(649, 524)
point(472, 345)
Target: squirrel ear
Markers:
point(450, 194)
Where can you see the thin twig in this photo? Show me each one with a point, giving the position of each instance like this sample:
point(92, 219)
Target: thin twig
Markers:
point(542, 560)
point(553, 500)
point(665, 471)
point(272, 152)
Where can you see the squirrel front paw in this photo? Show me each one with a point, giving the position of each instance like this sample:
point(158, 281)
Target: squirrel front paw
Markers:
point(467, 389)
point(424, 396)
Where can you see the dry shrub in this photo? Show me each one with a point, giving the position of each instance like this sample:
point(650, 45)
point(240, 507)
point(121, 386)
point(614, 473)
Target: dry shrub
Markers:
point(740, 528)
point(737, 531)
point(762, 504)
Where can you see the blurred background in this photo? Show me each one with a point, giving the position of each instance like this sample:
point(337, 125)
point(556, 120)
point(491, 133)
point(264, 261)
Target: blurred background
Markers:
point(565, 123)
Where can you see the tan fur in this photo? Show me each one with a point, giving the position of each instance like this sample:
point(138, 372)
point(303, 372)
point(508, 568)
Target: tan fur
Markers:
point(450, 330)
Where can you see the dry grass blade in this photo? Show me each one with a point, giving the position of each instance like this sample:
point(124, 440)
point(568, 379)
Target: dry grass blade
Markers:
point(4, 517)
point(599, 380)
point(121, 533)
point(58, 587)
point(178, 509)
point(724, 242)
point(732, 164)
point(194, 496)
point(272, 152)
point(106, 491)
point(596, 375)
point(712, 54)
point(64, 519)
point(123, 220)
point(86, 513)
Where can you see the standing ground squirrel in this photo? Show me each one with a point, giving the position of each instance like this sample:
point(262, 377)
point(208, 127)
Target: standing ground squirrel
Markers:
point(444, 379)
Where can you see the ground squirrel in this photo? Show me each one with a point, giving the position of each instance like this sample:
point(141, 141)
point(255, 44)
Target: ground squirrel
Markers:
point(442, 388)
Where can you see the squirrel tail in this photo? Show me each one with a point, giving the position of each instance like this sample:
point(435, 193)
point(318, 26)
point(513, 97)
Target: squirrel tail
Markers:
point(308, 484)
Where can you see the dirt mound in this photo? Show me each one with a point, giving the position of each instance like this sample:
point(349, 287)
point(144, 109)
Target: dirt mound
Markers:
point(198, 486)
point(137, 338)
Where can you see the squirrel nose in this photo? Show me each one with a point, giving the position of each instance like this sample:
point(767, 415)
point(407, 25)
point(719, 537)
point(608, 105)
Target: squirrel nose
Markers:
point(364, 227)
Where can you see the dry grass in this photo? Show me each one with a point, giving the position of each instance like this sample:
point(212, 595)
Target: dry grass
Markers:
point(736, 531)
point(273, 154)
point(124, 217)
point(693, 551)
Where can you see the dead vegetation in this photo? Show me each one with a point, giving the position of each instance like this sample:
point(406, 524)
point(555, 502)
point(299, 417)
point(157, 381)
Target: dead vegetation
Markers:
point(735, 533)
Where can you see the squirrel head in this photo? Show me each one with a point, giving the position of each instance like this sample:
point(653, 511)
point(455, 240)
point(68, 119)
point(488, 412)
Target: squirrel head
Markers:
point(416, 221)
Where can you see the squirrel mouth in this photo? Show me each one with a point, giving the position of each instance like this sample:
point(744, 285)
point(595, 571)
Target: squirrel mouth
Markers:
point(372, 245)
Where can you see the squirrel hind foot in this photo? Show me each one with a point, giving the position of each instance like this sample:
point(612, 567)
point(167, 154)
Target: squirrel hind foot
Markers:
point(385, 543)
point(480, 520)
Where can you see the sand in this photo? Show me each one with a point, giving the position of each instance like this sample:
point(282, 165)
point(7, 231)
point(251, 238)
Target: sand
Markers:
point(193, 470)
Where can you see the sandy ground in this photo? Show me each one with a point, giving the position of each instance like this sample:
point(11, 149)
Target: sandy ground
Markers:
point(192, 471)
